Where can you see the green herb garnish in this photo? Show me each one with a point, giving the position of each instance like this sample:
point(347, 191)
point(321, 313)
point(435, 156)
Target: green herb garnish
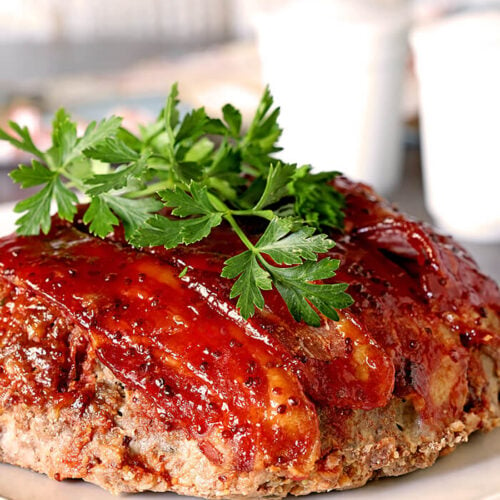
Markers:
point(206, 171)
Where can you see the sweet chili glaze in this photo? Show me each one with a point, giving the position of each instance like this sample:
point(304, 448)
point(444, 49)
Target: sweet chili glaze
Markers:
point(227, 385)
point(338, 364)
point(419, 303)
point(181, 341)
point(421, 296)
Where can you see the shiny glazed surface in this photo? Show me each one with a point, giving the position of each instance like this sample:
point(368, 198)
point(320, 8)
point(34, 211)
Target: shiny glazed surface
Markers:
point(259, 386)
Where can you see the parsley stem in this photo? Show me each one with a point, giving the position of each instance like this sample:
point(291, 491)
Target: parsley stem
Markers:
point(237, 229)
point(151, 189)
point(265, 214)
point(74, 181)
point(153, 136)
point(263, 197)
point(161, 157)
point(208, 172)
point(266, 265)
point(219, 205)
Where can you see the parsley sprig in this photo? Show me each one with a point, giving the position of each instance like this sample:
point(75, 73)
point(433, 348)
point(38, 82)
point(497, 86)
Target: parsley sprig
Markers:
point(206, 171)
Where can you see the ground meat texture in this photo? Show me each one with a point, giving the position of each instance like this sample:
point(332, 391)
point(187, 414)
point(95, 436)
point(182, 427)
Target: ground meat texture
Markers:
point(116, 371)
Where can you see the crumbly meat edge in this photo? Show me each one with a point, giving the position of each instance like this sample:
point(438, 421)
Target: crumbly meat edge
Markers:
point(117, 440)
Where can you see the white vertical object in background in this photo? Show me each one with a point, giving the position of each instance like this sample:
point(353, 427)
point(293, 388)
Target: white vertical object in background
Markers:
point(241, 12)
point(336, 67)
point(458, 66)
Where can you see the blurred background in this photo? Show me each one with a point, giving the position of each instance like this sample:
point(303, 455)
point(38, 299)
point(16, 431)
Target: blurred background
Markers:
point(400, 94)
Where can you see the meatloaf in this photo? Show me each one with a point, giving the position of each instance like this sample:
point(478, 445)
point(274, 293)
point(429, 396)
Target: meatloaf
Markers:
point(116, 370)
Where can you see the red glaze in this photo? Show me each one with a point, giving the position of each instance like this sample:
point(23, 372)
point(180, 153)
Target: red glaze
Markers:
point(420, 295)
point(206, 372)
point(419, 302)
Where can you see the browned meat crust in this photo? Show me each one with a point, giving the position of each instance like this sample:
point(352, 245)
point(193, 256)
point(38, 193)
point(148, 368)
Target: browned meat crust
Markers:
point(65, 413)
point(103, 433)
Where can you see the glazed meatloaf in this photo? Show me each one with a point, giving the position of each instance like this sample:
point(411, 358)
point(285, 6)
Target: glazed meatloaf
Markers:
point(116, 370)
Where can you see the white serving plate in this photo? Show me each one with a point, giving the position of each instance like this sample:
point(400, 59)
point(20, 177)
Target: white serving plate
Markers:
point(470, 473)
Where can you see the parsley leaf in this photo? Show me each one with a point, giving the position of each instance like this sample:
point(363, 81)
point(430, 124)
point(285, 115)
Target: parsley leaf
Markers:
point(315, 200)
point(162, 231)
point(100, 217)
point(65, 199)
point(259, 143)
point(294, 285)
point(197, 202)
point(132, 213)
point(252, 279)
point(276, 186)
point(192, 126)
point(67, 147)
point(291, 248)
point(24, 142)
point(94, 134)
point(34, 175)
point(51, 167)
point(171, 113)
point(37, 208)
point(112, 150)
point(102, 183)
point(64, 138)
point(233, 118)
point(201, 171)
point(199, 151)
